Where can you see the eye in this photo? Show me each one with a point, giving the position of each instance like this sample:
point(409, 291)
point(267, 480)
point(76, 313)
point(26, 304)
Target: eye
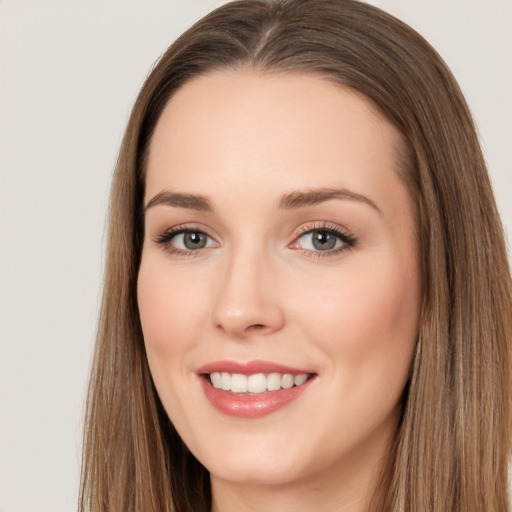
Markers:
point(185, 240)
point(323, 239)
point(190, 240)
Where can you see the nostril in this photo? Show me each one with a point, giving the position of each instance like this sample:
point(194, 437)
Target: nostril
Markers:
point(256, 327)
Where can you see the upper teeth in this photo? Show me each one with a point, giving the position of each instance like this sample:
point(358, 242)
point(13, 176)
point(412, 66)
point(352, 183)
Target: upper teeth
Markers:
point(256, 383)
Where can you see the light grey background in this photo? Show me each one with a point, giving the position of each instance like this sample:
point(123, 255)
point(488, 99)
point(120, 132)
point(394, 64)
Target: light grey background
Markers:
point(69, 73)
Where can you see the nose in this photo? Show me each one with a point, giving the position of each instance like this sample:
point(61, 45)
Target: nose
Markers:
point(248, 299)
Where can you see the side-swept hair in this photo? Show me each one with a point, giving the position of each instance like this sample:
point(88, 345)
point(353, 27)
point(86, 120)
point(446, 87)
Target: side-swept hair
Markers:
point(453, 442)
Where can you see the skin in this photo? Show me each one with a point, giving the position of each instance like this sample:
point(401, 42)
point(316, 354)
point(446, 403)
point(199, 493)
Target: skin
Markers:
point(260, 290)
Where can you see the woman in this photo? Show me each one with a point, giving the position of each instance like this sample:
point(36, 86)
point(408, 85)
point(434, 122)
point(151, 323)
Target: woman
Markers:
point(307, 298)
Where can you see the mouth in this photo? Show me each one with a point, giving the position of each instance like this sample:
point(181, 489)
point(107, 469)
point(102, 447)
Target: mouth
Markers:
point(255, 383)
point(254, 389)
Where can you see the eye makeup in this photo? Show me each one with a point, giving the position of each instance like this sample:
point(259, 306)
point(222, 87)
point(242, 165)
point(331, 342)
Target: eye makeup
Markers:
point(317, 239)
point(325, 239)
point(185, 240)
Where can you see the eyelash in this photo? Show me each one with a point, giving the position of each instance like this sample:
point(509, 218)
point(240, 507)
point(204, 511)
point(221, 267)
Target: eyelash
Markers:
point(167, 236)
point(347, 239)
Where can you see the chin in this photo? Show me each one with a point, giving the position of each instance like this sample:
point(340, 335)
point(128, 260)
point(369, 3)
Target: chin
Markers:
point(259, 474)
point(254, 466)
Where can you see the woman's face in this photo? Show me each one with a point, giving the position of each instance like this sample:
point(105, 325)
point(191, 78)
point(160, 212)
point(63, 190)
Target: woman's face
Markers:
point(279, 251)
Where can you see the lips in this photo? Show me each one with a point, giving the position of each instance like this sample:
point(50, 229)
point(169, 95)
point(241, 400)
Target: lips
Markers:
point(250, 367)
point(254, 389)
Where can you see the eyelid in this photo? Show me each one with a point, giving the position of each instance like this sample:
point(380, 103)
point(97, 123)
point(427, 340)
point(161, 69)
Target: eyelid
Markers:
point(165, 237)
point(346, 237)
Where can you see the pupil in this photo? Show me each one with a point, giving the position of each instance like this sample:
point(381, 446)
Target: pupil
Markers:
point(323, 240)
point(194, 240)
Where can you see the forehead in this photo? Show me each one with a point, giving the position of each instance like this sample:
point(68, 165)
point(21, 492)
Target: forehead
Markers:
point(300, 131)
point(233, 95)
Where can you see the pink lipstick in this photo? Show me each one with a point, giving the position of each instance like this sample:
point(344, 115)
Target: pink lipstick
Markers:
point(253, 389)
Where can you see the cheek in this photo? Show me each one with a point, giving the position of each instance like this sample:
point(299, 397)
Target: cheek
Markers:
point(170, 310)
point(170, 307)
point(367, 320)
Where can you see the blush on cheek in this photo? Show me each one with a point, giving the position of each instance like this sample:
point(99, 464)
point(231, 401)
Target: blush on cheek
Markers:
point(153, 302)
point(171, 308)
point(374, 312)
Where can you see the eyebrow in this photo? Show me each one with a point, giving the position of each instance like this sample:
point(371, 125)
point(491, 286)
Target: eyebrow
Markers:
point(312, 197)
point(290, 201)
point(180, 200)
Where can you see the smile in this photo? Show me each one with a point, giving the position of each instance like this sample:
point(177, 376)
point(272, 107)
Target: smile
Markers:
point(253, 389)
point(255, 383)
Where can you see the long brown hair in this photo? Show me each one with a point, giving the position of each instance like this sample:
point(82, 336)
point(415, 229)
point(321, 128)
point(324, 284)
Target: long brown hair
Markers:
point(453, 442)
